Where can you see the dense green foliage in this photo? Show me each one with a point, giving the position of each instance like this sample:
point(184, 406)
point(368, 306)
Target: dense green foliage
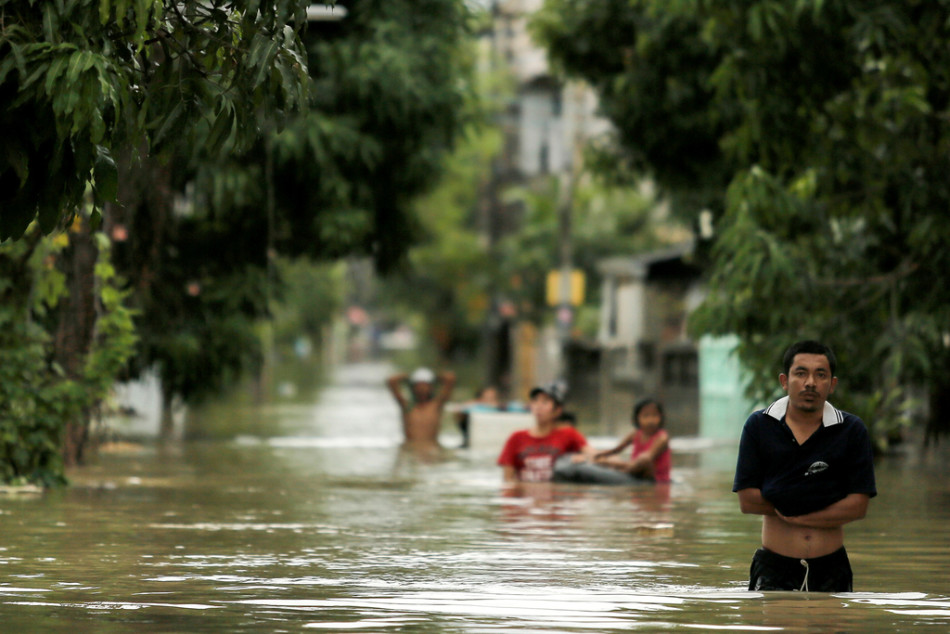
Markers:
point(389, 86)
point(448, 283)
point(653, 71)
point(229, 153)
point(37, 397)
point(82, 79)
point(829, 120)
point(86, 88)
point(197, 321)
point(335, 179)
point(486, 243)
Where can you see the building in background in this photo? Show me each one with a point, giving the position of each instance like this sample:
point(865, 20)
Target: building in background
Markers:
point(645, 349)
point(722, 380)
point(644, 346)
point(545, 123)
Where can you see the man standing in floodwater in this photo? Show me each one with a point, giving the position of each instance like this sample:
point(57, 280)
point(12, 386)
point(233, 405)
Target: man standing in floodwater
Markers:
point(807, 468)
point(422, 417)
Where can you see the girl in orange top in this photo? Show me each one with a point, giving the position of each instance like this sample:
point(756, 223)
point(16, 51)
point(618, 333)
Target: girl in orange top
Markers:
point(651, 458)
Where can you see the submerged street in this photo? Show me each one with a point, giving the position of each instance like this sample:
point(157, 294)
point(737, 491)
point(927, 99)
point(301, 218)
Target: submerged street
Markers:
point(322, 523)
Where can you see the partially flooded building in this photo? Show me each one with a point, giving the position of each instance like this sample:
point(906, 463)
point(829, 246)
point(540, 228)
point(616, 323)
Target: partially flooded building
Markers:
point(644, 346)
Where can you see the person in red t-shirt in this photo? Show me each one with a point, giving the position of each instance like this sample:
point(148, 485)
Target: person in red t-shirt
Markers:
point(651, 458)
point(529, 454)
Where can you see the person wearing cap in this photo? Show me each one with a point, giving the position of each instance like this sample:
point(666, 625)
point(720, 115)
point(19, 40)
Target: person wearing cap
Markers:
point(529, 454)
point(422, 410)
point(807, 468)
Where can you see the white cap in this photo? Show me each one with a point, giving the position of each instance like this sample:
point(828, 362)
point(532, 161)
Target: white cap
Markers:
point(422, 375)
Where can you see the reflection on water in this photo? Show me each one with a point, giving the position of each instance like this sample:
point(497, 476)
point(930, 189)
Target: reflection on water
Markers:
point(316, 520)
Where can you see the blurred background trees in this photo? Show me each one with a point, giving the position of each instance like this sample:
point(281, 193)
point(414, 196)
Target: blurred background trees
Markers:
point(386, 88)
point(224, 154)
point(815, 133)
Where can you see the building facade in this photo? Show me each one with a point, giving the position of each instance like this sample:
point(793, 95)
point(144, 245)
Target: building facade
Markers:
point(644, 345)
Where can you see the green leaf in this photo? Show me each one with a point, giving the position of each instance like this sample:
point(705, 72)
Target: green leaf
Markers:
point(106, 177)
point(262, 57)
point(48, 214)
point(57, 66)
point(168, 123)
point(222, 128)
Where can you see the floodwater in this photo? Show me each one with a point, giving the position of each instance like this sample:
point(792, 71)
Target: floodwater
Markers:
point(321, 524)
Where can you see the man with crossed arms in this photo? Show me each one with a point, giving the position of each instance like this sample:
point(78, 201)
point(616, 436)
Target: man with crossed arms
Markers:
point(807, 468)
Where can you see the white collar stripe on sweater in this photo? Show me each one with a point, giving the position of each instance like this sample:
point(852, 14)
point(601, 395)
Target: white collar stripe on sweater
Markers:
point(830, 416)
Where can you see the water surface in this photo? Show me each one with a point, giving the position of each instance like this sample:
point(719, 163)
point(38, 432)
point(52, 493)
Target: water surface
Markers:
point(313, 519)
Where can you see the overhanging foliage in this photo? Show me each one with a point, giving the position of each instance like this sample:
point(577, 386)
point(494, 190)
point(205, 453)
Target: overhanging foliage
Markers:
point(82, 79)
point(830, 120)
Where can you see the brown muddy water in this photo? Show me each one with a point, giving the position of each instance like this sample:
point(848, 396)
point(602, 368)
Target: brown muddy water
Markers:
point(320, 523)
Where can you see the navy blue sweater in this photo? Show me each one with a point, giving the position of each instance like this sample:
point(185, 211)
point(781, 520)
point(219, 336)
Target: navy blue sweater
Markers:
point(833, 463)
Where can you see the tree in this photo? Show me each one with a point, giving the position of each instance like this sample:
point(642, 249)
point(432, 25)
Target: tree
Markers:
point(831, 123)
point(81, 83)
point(42, 401)
point(389, 90)
point(486, 247)
point(82, 79)
point(451, 268)
point(652, 71)
point(336, 179)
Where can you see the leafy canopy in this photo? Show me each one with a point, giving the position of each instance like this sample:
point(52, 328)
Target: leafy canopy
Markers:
point(819, 131)
point(37, 396)
point(82, 79)
point(386, 95)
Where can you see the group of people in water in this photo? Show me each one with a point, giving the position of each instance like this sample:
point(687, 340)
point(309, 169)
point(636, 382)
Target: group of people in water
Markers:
point(805, 466)
point(552, 449)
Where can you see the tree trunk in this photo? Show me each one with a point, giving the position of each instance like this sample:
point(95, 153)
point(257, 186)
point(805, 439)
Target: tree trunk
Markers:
point(167, 428)
point(938, 421)
point(76, 329)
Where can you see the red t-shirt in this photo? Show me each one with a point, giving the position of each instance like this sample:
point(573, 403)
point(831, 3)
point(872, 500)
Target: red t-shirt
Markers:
point(662, 463)
point(533, 458)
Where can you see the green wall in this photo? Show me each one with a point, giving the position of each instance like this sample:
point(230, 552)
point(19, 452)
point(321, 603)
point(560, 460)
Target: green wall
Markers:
point(723, 406)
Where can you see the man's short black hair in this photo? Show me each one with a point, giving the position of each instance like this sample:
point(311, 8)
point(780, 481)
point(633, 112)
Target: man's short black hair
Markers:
point(808, 346)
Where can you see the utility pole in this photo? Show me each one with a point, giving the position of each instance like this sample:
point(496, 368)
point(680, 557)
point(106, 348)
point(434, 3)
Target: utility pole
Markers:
point(496, 347)
point(565, 316)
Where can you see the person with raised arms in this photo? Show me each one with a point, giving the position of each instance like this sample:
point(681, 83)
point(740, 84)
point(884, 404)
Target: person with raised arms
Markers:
point(422, 410)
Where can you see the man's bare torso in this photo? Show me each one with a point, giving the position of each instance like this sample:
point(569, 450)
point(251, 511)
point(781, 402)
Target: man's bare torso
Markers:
point(421, 422)
point(799, 542)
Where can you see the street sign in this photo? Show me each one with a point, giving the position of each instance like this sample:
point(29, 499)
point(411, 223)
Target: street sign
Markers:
point(554, 288)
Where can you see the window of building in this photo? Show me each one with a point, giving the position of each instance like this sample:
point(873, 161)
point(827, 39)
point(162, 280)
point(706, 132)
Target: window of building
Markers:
point(681, 368)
